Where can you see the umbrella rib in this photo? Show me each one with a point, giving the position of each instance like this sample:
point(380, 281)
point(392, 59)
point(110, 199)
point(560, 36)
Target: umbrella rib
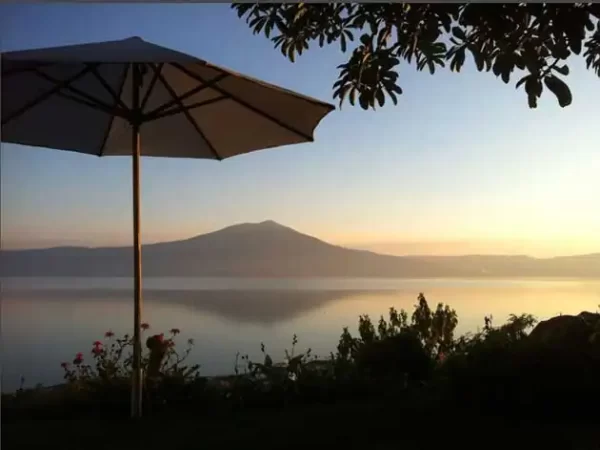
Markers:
point(158, 111)
point(151, 87)
point(81, 101)
point(245, 104)
point(57, 88)
point(109, 89)
point(112, 117)
point(186, 113)
point(19, 70)
point(172, 112)
point(97, 103)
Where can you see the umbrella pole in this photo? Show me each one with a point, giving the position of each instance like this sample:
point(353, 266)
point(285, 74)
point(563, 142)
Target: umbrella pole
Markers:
point(136, 393)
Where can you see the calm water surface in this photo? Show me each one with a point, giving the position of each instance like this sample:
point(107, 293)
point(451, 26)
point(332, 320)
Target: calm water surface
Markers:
point(46, 321)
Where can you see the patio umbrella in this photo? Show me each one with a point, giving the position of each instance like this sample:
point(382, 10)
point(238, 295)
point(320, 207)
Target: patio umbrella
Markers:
point(106, 98)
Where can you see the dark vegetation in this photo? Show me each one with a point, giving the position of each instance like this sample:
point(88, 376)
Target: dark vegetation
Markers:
point(400, 375)
point(532, 41)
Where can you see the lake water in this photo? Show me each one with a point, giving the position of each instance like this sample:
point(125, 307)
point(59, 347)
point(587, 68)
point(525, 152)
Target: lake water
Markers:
point(46, 321)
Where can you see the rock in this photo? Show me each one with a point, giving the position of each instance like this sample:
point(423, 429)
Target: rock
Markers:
point(575, 332)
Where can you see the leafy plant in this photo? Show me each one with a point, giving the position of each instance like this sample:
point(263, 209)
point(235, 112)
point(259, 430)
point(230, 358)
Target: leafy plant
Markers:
point(397, 347)
point(414, 361)
point(112, 360)
point(507, 335)
point(290, 371)
point(436, 328)
point(532, 40)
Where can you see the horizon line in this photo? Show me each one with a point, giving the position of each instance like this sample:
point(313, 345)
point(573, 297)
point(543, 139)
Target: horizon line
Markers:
point(269, 222)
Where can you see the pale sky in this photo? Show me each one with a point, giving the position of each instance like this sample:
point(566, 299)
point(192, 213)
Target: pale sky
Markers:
point(461, 165)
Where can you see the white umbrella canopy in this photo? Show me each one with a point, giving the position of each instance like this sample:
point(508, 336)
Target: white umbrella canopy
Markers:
point(106, 98)
point(80, 98)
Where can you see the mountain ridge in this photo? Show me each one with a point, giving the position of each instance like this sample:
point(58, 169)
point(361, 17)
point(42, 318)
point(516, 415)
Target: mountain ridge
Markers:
point(269, 249)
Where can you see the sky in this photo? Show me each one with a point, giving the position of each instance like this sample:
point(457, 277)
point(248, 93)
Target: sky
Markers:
point(460, 165)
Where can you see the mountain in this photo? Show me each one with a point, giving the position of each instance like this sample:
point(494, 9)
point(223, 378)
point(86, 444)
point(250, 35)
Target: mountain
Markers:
point(268, 249)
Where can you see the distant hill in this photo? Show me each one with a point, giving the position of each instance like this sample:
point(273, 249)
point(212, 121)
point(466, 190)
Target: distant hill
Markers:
point(268, 249)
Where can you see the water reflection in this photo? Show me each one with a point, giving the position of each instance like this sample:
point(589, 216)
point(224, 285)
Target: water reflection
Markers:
point(238, 306)
point(41, 328)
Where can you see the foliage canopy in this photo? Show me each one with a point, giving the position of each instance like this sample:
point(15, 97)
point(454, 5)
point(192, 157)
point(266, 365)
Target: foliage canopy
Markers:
point(530, 40)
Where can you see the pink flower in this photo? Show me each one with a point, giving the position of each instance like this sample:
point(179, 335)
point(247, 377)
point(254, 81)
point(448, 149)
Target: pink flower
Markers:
point(97, 344)
point(109, 334)
point(144, 326)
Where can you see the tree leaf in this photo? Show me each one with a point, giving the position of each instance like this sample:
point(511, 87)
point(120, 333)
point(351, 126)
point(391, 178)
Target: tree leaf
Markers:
point(459, 59)
point(533, 87)
point(392, 96)
point(431, 66)
point(522, 80)
point(352, 97)
point(363, 101)
point(479, 60)
point(459, 33)
point(380, 97)
point(563, 70)
point(575, 46)
point(382, 36)
point(423, 32)
point(532, 101)
point(342, 92)
point(560, 89)
point(589, 25)
point(519, 62)
point(391, 86)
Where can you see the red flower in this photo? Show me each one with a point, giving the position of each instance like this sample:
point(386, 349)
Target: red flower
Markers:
point(175, 331)
point(78, 359)
point(144, 326)
point(97, 349)
point(109, 334)
point(160, 337)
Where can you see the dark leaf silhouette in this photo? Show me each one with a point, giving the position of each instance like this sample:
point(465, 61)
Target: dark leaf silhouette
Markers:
point(535, 38)
point(560, 89)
